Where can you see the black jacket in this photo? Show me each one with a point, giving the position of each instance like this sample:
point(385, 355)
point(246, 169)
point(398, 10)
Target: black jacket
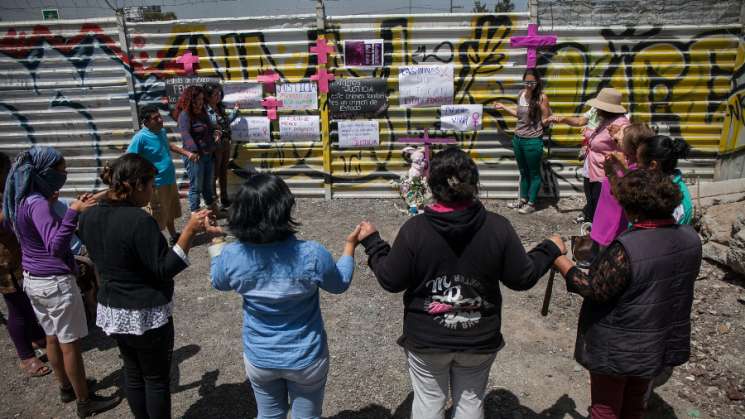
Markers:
point(134, 261)
point(450, 266)
point(648, 326)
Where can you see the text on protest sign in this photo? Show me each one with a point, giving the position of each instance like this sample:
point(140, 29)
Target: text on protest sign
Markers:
point(461, 117)
point(176, 85)
point(358, 133)
point(247, 95)
point(250, 129)
point(358, 97)
point(425, 85)
point(299, 128)
point(298, 96)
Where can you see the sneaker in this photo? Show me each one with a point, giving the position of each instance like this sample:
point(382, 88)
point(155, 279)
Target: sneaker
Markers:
point(517, 204)
point(66, 395)
point(96, 404)
point(527, 209)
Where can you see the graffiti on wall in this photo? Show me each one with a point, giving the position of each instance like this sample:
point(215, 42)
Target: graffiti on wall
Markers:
point(71, 86)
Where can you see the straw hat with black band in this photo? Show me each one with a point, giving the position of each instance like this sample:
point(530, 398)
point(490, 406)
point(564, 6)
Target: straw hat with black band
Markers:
point(609, 100)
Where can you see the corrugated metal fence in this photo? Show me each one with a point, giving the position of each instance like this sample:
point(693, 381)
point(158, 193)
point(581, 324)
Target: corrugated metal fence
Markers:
point(73, 84)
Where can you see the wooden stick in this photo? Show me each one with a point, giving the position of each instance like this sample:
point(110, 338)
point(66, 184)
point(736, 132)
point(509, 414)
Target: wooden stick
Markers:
point(549, 290)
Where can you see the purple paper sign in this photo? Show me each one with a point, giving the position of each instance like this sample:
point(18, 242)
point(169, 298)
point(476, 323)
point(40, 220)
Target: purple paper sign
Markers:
point(365, 53)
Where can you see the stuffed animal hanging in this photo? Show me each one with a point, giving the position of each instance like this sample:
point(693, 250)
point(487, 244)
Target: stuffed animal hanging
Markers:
point(413, 186)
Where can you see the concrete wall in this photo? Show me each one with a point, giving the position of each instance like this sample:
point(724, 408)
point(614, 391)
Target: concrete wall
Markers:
point(637, 12)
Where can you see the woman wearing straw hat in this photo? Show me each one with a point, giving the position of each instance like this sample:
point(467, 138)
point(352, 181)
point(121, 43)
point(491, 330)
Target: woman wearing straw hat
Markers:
point(605, 116)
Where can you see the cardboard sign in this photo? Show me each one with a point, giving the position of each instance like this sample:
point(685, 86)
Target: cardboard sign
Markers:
point(364, 53)
point(299, 128)
point(355, 133)
point(298, 96)
point(461, 117)
point(425, 85)
point(247, 95)
point(358, 97)
point(176, 85)
point(250, 129)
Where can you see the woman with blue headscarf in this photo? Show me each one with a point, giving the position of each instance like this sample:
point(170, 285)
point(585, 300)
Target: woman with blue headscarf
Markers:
point(49, 267)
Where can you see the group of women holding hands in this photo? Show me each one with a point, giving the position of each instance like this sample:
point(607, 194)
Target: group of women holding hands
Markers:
point(449, 263)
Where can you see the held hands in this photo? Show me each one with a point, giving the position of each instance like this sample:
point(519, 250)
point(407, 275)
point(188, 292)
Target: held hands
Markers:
point(203, 221)
point(557, 240)
point(366, 229)
point(83, 202)
point(498, 106)
point(553, 118)
point(192, 156)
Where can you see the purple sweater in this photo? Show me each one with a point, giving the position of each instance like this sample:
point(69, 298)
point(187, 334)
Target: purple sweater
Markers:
point(45, 237)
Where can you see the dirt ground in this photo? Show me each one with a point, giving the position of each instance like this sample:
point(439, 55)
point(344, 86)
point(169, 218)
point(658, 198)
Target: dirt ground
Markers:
point(534, 376)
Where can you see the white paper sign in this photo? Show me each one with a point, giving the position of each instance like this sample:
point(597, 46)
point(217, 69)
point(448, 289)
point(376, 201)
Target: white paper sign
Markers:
point(299, 128)
point(358, 133)
point(250, 128)
point(461, 117)
point(425, 85)
point(298, 96)
point(248, 95)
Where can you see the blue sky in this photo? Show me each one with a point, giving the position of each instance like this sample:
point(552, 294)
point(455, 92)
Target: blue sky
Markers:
point(191, 9)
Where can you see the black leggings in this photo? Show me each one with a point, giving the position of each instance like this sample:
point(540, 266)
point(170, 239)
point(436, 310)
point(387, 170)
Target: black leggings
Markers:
point(147, 369)
point(592, 195)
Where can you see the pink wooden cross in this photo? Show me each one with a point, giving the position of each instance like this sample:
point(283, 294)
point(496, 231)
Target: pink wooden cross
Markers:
point(188, 60)
point(532, 42)
point(323, 77)
point(271, 104)
point(268, 79)
point(321, 50)
point(427, 141)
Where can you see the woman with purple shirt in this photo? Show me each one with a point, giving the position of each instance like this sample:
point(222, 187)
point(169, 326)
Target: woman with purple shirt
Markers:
point(49, 268)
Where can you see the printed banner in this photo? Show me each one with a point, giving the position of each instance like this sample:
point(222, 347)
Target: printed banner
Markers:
point(299, 128)
point(250, 129)
point(176, 85)
point(461, 117)
point(425, 85)
point(363, 53)
point(247, 95)
point(358, 97)
point(298, 96)
point(356, 133)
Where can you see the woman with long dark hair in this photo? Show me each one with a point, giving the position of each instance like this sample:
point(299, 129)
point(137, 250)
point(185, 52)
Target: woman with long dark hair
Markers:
point(198, 137)
point(531, 111)
point(137, 266)
point(221, 120)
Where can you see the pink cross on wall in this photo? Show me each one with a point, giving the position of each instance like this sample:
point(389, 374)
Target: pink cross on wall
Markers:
point(188, 60)
point(321, 50)
point(268, 79)
point(532, 42)
point(427, 141)
point(322, 77)
point(271, 104)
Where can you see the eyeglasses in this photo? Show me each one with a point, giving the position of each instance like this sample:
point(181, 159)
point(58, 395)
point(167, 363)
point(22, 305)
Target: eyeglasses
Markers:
point(530, 83)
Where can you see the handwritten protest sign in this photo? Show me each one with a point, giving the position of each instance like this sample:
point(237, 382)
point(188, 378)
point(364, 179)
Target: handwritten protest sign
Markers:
point(425, 85)
point(247, 95)
point(250, 129)
point(356, 133)
point(176, 85)
point(298, 96)
point(299, 128)
point(365, 53)
point(358, 97)
point(461, 117)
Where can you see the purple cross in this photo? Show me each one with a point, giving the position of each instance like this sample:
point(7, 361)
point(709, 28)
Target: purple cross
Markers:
point(321, 50)
point(188, 60)
point(532, 42)
point(323, 77)
point(268, 79)
point(427, 141)
point(271, 104)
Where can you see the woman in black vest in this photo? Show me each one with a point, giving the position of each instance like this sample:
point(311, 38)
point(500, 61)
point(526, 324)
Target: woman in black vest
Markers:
point(635, 319)
point(137, 266)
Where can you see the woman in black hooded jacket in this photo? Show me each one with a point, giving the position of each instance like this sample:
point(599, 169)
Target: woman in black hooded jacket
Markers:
point(450, 262)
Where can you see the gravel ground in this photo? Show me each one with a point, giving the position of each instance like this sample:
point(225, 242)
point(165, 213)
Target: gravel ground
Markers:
point(534, 376)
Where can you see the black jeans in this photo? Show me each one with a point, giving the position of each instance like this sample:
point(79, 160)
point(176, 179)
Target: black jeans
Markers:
point(592, 195)
point(147, 371)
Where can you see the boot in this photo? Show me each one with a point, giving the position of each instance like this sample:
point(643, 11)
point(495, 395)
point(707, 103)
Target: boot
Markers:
point(96, 404)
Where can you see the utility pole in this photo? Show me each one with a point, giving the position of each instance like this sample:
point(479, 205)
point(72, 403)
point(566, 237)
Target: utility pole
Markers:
point(454, 7)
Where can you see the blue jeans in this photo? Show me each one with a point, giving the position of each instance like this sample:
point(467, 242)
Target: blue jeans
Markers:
point(305, 389)
point(200, 180)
